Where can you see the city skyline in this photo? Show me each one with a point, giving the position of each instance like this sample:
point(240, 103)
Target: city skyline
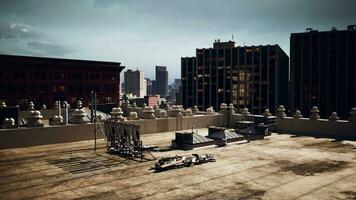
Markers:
point(121, 30)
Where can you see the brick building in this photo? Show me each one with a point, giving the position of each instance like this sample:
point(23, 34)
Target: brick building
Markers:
point(46, 80)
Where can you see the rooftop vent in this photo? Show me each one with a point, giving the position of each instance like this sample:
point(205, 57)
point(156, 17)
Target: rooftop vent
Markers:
point(334, 29)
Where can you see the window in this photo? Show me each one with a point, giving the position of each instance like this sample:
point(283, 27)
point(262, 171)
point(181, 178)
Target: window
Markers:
point(62, 88)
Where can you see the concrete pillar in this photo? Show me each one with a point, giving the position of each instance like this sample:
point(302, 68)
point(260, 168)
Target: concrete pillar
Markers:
point(314, 113)
point(281, 112)
point(297, 114)
point(352, 117)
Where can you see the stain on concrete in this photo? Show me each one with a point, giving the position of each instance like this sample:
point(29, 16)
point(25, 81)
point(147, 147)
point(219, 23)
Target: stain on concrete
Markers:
point(349, 194)
point(312, 167)
point(332, 146)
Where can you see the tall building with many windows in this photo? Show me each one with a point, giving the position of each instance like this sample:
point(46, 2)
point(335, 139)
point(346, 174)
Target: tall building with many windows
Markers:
point(255, 77)
point(323, 71)
point(135, 83)
point(46, 80)
point(162, 81)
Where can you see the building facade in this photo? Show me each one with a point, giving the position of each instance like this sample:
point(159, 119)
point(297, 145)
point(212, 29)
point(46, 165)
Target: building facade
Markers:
point(323, 71)
point(161, 83)
point(253, 77)
point(46, 80)
point(135, 83)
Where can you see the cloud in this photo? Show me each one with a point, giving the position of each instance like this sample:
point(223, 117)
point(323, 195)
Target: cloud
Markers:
point(9, 30)
point(49, 48)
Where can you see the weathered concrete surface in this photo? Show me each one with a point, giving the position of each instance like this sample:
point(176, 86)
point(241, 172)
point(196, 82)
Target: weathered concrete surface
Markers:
point(279, 167)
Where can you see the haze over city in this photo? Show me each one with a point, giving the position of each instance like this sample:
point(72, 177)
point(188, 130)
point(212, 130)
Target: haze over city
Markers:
point(143, 34)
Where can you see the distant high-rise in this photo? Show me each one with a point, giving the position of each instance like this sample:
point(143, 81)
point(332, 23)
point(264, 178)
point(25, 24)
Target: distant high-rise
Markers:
point(255, 77)
point(162, 81)
point(149, 87)
point(135, 83)
point(323, 71)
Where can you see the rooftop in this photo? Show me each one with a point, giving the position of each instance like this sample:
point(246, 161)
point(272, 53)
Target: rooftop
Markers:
point(281, 166)
point(60, 60)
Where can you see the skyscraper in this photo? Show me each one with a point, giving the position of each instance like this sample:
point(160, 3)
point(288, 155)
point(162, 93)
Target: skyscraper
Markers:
point(135, 83)
point(162, 81)
point(323, 71)
point(255, 77)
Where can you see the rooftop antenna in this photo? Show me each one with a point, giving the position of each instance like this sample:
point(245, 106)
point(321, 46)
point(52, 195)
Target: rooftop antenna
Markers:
point(232, 37)
point(244, 43)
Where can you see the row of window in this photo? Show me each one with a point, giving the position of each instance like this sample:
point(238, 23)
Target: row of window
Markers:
point(61, 88)
point(21, 75)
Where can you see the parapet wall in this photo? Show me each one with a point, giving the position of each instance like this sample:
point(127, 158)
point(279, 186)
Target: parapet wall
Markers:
point(22, 137)
point(178, 123)
point(320, 127)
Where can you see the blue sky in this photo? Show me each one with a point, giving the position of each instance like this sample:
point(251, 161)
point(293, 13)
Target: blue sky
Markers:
point(144, 33)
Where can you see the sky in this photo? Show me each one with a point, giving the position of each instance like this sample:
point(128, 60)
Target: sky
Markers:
point(145, 33)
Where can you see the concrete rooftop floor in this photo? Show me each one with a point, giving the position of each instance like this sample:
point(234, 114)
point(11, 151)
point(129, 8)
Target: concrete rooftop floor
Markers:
point(281, 166)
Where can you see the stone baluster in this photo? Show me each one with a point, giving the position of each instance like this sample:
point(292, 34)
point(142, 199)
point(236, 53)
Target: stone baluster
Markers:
point(352, 117)
point(2, 104)
point(34, 119)
point(31, 106)
point(148, 113)
point(78, 116)
point(245, 113)
point(195, 110)
point(210, 111)
point(79, 104)
point(132, 116)
point(314, 113)
point(162, 114)
point(333, 117)
point(297, 114)
point(281, 112)
point(56, 120)
point(8, 123)
point(223, 108)
point(116, 115)
point(267, 113)
point(231, 108)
